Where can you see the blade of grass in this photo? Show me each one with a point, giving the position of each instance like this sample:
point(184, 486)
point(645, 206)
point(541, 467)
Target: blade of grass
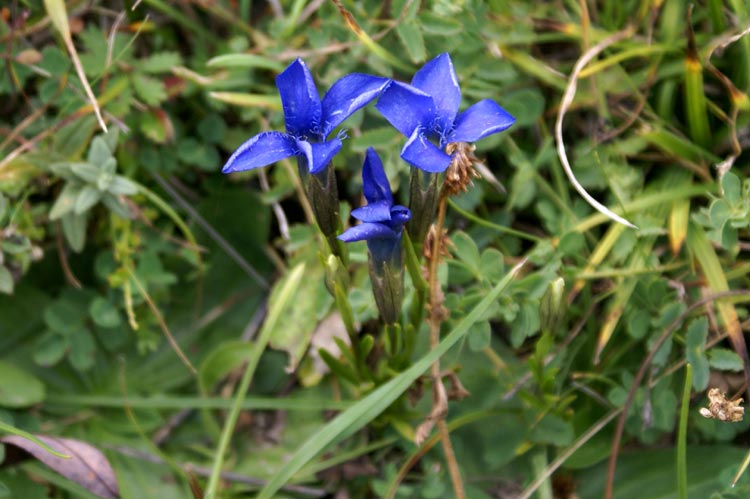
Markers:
point(274, 313)
point(682, 479)
point(59, 17)
point(645, 202)
point(743, 467)
point(679, 215)
point(379, 400)
point(244, 61)
point(713, 271)
point(173, 402)
point(368, 42)
point(695, 96)
point(248, 100)
point(600, 252)
point(28, 436)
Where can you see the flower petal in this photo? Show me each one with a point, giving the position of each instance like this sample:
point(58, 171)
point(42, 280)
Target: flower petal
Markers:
point(480, 120)
point(299, 99)
point(319, 154)
point(367, 231)
point(261, 150)
point(423, 154)
point(406, 108)
point(373, 212)
point(347, 95)
point(399, 216)
point(438, 79)
point(374, 182)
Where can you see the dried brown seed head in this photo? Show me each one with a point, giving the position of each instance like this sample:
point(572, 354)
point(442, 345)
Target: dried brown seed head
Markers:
point(719, 407)
point(460, 173)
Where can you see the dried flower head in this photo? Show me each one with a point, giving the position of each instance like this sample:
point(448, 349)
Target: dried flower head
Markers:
point(719, 407)
point(460, 173)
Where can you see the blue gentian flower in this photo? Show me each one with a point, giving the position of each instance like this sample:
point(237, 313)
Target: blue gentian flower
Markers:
point(382, 220)
point(427, 113)
point(309, 120)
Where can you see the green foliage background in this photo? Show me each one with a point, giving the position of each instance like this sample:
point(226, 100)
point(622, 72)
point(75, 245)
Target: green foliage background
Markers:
point(111, 243)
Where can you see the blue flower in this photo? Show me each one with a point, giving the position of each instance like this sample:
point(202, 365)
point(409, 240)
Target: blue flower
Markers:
point(427, 111)
point(382, 221)
point(309, 120)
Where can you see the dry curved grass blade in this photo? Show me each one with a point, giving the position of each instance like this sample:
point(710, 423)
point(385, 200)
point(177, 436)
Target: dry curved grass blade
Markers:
point(86, 465)
point(59, 17)
point(567, 100)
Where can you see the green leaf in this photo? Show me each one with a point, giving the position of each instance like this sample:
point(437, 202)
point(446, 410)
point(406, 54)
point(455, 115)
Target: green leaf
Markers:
point(526, 105)
point(85, 171)
point(6, 281)
point(466, 250)
point(196, 153)
point(553, 430)
point(161, 62)
point(479, 336)
point(19, 388)
point(441, 26)
point(212, 128)
point(410, 35)
point(4, 208)
point(639, 323)
point(695, 340)
point(50, 349)
point(99, 151)
point(116, 206)
point(122, 185)
point(65, 201)
point(309, 303)
point(104, 313)
point(491, 265)
point(149, 89)
point(380, 399)
point(74, 228)
point(82, 350)
point(724, 359)
point(221, 361)
point(719, 212)
point(731, 188)
point(110, 138)
point(648, 473)
point(65, 315)
point(87, 198)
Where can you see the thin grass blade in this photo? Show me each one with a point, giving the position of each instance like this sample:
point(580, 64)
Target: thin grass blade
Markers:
point(376, 402)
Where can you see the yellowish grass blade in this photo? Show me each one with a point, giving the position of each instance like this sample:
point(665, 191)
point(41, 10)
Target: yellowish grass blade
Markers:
point(59, 17)
point(710, 265)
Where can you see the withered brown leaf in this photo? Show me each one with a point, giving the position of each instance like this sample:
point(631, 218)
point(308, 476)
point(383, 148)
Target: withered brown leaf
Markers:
point(87, 465)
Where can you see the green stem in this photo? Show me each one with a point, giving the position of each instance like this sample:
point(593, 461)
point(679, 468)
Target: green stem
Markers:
point(485, 223)
point(285, 296)
point(682, 484)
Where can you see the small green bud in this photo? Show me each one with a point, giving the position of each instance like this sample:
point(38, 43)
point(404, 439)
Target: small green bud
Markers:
point(552, 309)
point(335, 273)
